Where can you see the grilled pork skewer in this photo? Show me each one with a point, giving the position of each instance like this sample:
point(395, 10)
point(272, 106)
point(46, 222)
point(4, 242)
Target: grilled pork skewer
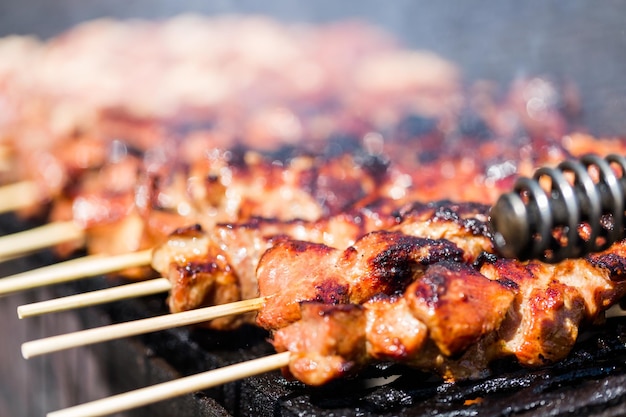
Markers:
point(594, 162)
point(215, 189)
point(344, 290)
point(384, 262)
point(187, 254)
point(45, 307)
point(400, 257)
point(209, 268)
point(454, 319)
point(215, 270)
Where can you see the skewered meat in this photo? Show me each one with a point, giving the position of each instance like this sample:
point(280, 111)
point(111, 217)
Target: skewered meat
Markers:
point(456, 318)
point(194, 260)
point(480, 309)
point(64, 113)
point(133, 163)
point(379, 262)
point(406, 288)
point(106, 91)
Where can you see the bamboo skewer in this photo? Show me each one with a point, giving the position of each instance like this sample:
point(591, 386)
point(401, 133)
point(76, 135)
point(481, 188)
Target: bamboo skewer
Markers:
point(18, 195)
point(178, 387)
point(118, 331)
point(41, 237)
point(121, 292)
point(87, 266)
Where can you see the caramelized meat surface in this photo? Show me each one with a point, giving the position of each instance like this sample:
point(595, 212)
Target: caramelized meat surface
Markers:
point(312, 191)
point(455, 319)
point(325, 343)
point(393, 256)
point(379, 262)
point(458, 305)
point(392, 330)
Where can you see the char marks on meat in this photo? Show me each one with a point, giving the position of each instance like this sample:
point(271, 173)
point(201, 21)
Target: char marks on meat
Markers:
point(455, 320)
point(415, 283)
point(458, 305)
point(402, 244)
point(379, 262)
point(337, 234)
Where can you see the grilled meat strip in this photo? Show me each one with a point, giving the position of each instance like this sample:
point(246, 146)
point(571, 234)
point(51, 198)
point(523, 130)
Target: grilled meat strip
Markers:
point(379, 262)
point(195, 260)
point(126, 206)
point(455, 318)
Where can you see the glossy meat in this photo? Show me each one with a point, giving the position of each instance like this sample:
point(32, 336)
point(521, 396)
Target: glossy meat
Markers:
point(458, 305)
point(456, 319)
point(324, 343)
point(237, 248)
point(242, 245)
point(379, 262)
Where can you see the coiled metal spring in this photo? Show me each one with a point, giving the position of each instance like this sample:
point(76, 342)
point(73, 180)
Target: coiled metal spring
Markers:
point(565, 212)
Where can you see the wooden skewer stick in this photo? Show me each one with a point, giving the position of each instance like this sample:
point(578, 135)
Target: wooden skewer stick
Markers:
point(41, 237)
point(178, 387)
point(121, 292)
point(18, 195)
point(132, 328)
point(87, 266)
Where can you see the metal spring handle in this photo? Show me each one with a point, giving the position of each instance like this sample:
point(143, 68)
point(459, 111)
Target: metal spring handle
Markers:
point(566, 218)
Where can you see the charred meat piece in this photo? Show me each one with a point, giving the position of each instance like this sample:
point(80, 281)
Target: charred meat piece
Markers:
point(458, 305)
point(554, 300)
point(378, 263)
point(455, 319)
point(240, 246)
point(465, 224)
point(328, 343)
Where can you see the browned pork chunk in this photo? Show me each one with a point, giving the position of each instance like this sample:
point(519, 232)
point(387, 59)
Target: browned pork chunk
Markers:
point(328, 343)
point(378, 263)
point(458, 305)
point(456, 319)
point(236, 249)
